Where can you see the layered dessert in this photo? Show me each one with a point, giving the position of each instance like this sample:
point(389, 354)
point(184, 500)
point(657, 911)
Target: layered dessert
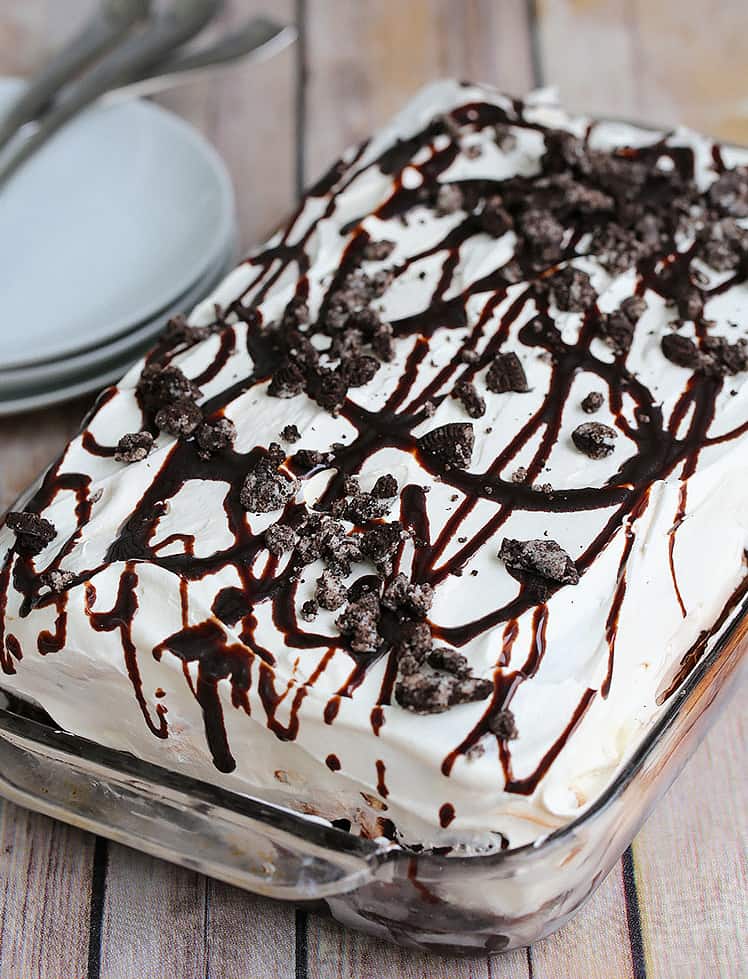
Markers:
point(417, 523)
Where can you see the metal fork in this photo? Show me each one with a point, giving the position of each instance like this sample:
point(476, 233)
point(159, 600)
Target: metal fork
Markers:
point(110, 23)
point(126, 62)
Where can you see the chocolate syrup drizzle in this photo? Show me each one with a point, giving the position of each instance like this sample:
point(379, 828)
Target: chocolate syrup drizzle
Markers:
point(209, 654)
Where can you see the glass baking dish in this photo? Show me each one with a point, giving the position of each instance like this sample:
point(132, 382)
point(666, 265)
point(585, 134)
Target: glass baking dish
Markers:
point(467, 905)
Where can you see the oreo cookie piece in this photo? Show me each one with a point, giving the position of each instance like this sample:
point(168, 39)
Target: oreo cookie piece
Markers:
point(287, 381)
point(571, 290)
point(290, 434)
point(266, 489)
point(449, 198)
point(449, 660)
point(719, 357)
point(543, 234)
point(493, 218)
point(429, 691)
point(723, 244)
point(328, 388)
point(159, 386)
point(381, 543)
point(330, 592)
point(179, 418)
point(362, 507)
point(680, 350)
point(308, 611)
point(57, 581)
point(377, 251)
point(359, 623)
point(729, 192)
point(33, 532)
point(592, 402)
point(134, 447)
point(543, 559)
point(503, 725)
point(215, 436)
point(473, 403)
point(450, 444)
point(385, 488)
point(506, 373)
point(617, 248)
point(594, 439)
point(358, 369)
point(279, 538)
point(403, 596)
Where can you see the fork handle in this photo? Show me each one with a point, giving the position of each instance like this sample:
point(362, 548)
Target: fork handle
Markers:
point(112, 20)
point(181, 22)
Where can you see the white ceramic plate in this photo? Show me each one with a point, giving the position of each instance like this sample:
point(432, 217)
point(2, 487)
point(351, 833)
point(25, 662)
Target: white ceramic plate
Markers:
point(119, 214)
point(18, 380)
point(104, 370)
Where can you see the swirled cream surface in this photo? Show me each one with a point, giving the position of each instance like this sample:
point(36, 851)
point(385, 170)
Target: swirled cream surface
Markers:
point(420, 520)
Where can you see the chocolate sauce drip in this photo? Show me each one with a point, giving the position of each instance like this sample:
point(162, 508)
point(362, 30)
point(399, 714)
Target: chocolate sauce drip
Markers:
point(210, 654)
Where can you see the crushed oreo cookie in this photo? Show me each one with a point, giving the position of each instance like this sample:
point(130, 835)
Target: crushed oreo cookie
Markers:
point(360, 507)
point(403, 596)
point(33, 532)
point(309, 610)
point(429, 691)
point(266, 489)
point(719, 357)
point(378, 251)
point(330, 592)
point(381, 543)
point(617, 327)
point(215, 436)
point(594, 439)
point(543, 559)
point(723, 244)
point(290, 434)
point(592, 402)
point(413, 645)
point(133, 447)
point(358, 369)
point(57, 581)
point(729, 192)
point(359, 623)
point(506, 373)
point(287, 381)
point(328, 387)
point(543, 234)
point(503, 725)
point(451, 444)
point(494, 218)
point(571, 290)
point(473, 403)
point(449, 660)
point(180, 418)
point(161, 386)
point(276, 455)
point(279, 538)
point(449, 199)
point(680, 350)
point(385, 488)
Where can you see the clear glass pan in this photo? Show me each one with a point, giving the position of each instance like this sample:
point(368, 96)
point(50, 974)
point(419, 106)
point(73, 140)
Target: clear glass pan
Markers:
point(467, 904)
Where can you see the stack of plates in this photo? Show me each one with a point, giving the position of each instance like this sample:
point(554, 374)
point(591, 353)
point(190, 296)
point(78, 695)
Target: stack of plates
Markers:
point(124, 219)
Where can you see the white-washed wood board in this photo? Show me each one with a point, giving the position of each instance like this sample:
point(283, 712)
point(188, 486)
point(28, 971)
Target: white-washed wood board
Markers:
point(74, 906)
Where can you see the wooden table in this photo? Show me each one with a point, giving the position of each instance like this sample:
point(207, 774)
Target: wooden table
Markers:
point(74, 906)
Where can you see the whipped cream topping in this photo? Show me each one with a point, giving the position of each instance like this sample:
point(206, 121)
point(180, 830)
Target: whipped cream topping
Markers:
point(172, 632)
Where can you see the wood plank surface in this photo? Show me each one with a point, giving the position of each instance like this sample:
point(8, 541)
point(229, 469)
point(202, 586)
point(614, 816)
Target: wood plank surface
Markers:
point(676, 906)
